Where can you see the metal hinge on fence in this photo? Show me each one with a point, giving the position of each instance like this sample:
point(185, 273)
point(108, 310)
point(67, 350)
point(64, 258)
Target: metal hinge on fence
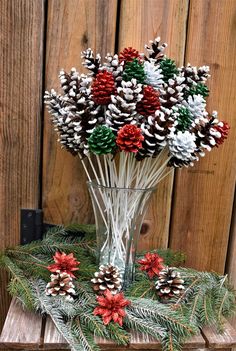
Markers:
point(32, 226)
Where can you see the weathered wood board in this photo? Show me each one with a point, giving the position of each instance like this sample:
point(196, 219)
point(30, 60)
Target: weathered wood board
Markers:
point(21, 68)
point(203, 195)
point(141, 21)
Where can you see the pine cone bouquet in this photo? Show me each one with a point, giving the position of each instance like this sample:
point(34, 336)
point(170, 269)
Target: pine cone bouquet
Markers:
point(129, 89)
point(138, 114)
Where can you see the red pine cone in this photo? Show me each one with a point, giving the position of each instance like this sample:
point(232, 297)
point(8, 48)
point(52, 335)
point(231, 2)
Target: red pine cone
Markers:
point(103, 87)
point(129, 138)
point(149, 103)
point(64, 263)
point(223, 129)
point(111, 307)
point(128, 54)
point(151, 264)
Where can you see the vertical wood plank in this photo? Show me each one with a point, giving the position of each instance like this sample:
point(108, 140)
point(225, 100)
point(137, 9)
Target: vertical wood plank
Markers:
point(73, 25)
point(21, 47)
point(231, 255)
point(203, 196)
point(141, 21)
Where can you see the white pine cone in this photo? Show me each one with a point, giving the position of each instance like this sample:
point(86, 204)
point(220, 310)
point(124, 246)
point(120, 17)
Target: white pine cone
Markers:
point(169, 283)
point(70, 82)
point(114, 66)
point(108, 277)
point(197, 106)
point(154, 49)
point(90, 62)
point(153, 75)
point(73, 118)
point(155, 132)
point(194, 75)
point(172, 93)
point(122, 109)
point(61, 284)
point(182, 145)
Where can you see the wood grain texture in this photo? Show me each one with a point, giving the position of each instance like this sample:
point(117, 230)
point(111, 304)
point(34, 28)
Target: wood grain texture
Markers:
point(231, 256)
point(21, 47)
point(72, 26)
point(224, 340)
point(52, 338)
point(203, 196)
point(22, 329)
point(141, 21)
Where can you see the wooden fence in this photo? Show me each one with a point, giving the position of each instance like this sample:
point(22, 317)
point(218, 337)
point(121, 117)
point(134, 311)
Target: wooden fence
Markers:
point(192, 210)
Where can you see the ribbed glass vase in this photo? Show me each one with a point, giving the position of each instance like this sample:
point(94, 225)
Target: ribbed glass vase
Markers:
point(119, 213)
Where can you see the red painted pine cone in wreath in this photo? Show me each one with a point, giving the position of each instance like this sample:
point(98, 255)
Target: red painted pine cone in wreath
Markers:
point(149, 103)
point(128, 54)
point(103, 87)
point(129, 138)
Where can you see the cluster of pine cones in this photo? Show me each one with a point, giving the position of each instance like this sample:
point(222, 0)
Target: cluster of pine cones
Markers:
point(168, 284)
point(164, 105)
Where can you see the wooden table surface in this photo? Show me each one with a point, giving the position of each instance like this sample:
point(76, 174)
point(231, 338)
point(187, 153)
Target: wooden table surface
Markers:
point(29, 331)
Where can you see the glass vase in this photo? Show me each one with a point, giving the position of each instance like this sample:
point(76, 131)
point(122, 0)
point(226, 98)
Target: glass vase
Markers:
point(119, 213)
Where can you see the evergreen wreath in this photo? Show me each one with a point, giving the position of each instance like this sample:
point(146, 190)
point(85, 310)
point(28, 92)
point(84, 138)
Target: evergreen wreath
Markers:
point(194, 298)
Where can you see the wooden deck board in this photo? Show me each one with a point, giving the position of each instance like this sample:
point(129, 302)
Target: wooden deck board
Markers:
point(22, 329)
point(224, 340)
point(26, 330)
point(52, 338)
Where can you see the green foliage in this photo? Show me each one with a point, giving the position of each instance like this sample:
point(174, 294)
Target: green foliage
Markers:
point(169, 68)
point(134, 69)
point(200, 89)
point(207, 298)
point(184, 119)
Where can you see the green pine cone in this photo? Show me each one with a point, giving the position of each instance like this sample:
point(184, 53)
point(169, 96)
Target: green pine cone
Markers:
point(102, 141)
point(134, 69)
point(200, 88)
point(184, 119)
point(169, 68)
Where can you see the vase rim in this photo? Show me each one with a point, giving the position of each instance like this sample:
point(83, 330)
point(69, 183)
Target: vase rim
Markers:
point(94, 182)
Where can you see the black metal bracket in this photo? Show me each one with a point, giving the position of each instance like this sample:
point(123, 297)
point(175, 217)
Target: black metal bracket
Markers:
point(32, 226)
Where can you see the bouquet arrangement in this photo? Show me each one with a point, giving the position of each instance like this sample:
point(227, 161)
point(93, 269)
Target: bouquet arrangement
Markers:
point(140, 107)
point(132, 120)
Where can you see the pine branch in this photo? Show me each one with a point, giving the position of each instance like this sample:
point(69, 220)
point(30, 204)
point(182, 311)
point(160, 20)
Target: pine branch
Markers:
point(142, 288)
point(45, 306)
point(144, 326)
point(93, 323)
point(118, 334)
point(19, 285)
point(86, 340)
point(144, 308)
